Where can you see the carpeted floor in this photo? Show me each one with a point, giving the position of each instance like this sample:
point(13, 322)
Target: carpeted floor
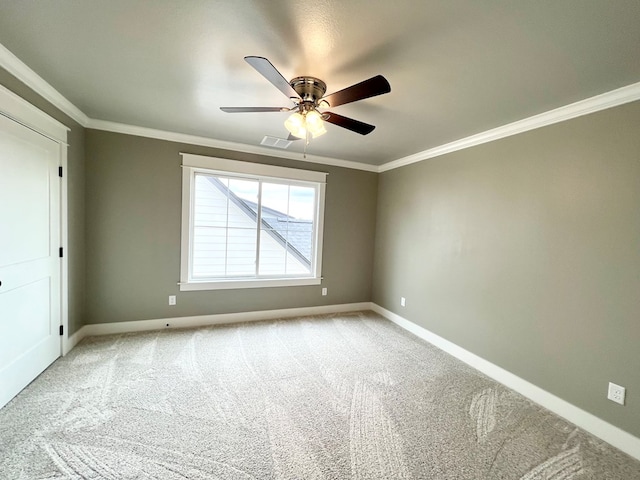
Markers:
point(347, 396)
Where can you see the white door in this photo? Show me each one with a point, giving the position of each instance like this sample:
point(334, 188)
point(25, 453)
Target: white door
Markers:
point(29, 256)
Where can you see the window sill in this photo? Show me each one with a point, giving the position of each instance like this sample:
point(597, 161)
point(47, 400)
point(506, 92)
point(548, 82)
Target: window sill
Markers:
point(241, 284)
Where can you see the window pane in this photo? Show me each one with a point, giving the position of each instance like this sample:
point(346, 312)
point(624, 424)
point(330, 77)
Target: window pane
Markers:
point(277, 257)
point(273, 245)
point(210, 201)
point(245, 189)
point(299, 236)
point(209, 251)
point(300, 248)
point(243, 201)
point(302, 201)
point(275, 199)
point(300, 229)
point(297, 264)
point(225, 226)
point(272, 253)
point(286, 240)
point(241, 252)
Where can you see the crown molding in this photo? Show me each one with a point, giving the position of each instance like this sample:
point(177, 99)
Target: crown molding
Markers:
point(224, 145)
point(620, 96)
point(614, 98)
point(31, 79)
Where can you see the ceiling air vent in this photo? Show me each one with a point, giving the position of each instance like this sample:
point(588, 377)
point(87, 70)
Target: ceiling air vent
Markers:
point(275, 142)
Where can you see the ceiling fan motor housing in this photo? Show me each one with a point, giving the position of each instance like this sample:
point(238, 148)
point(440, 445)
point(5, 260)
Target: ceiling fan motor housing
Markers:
point(310, 89)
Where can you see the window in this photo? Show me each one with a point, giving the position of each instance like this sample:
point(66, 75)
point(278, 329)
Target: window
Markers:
point(249, 225)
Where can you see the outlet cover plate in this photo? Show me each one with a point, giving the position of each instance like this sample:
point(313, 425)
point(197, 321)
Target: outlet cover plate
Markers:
point(616, 393)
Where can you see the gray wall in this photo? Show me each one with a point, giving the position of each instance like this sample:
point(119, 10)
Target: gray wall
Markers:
point(133, 220)
point(75, 186)
point(526, 252)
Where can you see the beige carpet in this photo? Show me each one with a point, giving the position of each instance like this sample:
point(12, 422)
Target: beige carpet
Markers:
point(347, 396)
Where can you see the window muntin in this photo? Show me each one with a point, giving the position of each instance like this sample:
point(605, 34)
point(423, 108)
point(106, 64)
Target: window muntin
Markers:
point(245, 229)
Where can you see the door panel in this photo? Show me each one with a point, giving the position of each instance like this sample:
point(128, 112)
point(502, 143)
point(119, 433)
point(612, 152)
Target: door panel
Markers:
point(26, 329)
point(29, 263)
point(25, 182)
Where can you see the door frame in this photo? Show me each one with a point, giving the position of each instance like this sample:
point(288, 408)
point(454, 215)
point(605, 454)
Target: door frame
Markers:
point(19, 110)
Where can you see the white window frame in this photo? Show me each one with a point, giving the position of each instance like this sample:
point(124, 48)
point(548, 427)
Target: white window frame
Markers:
point(192, 164)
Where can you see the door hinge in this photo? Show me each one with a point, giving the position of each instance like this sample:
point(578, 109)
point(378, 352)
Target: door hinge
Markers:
point(61, 252)
point(61, 330)
point(60, 171)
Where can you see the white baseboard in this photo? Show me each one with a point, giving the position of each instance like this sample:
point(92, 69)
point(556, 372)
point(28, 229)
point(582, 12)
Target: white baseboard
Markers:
point(586, 421)
point(74, 340)
point(204, 320)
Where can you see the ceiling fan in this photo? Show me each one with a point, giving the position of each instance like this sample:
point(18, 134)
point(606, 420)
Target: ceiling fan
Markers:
point(307, 93)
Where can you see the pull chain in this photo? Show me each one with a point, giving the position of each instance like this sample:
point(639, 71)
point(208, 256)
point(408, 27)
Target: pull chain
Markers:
point(306, 142)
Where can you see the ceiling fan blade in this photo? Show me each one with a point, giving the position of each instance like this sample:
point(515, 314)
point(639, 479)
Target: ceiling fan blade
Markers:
point(253, 109)
point(293, 138)
point(348, 123)
point(368, 88)
point(271, 73)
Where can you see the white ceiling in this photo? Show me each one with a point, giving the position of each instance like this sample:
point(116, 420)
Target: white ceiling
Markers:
point(456, 67)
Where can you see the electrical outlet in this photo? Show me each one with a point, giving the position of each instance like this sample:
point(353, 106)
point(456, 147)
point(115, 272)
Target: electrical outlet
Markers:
point(172, 299)
point(403, 302)
point(616, 393)
point(324, 291)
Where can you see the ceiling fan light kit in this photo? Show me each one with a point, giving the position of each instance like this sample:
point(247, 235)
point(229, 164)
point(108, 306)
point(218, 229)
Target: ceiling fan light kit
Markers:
point(308, 95)
point(305, 122)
